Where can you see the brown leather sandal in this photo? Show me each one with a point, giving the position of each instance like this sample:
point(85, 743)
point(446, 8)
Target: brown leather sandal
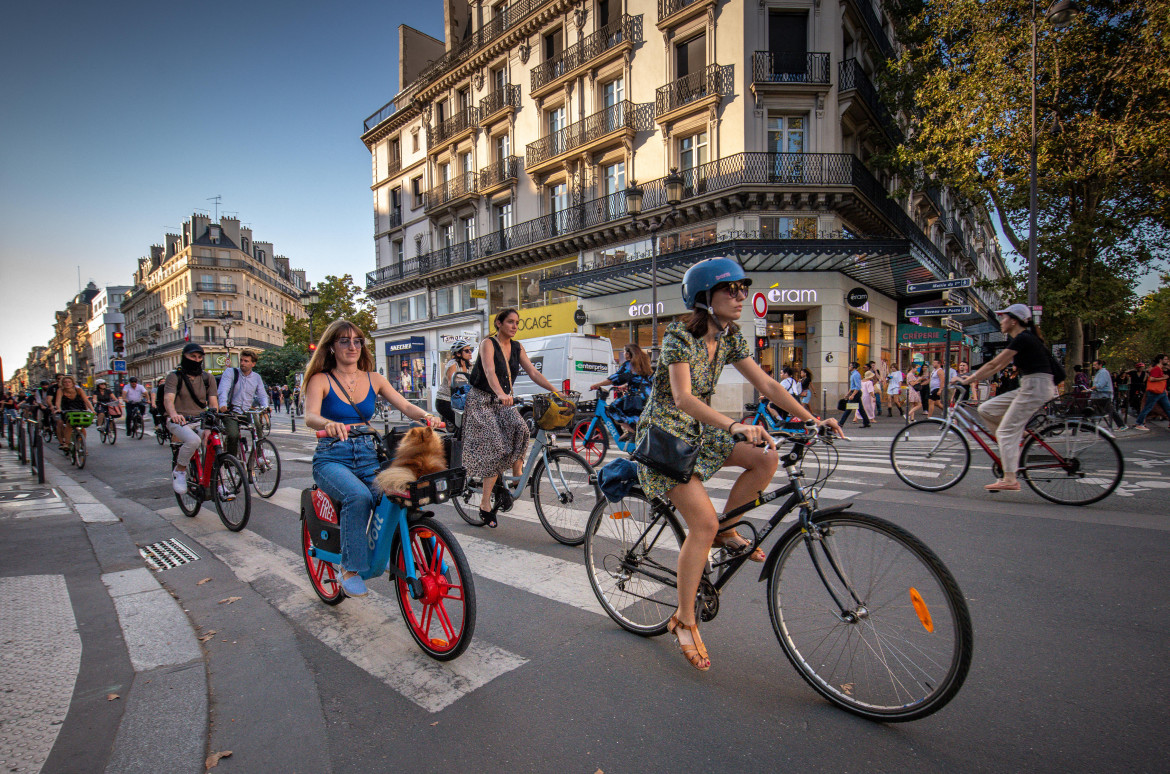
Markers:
point(696, 654)
point(732, 542)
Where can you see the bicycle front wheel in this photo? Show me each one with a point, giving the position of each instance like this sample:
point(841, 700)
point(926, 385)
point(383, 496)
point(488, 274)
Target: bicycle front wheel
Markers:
point(265, 468)
point(929, 455)
point(565, 494)
point(442, 619)
point(229, 488)
point(79, 453)
point(591, 445)
point(139, 428)
point(113, 432)
point(1071, 463)
point(631, 555)
point(870, 617)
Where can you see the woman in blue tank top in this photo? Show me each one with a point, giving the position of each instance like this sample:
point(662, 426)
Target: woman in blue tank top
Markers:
point(341, 388)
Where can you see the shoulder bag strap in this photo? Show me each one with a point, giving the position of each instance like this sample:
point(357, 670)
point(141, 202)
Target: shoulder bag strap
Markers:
point(184, 382)
point(347, 398)
point(507, 365)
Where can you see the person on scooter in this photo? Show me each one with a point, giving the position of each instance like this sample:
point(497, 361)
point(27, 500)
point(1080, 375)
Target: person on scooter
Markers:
point(635, 375)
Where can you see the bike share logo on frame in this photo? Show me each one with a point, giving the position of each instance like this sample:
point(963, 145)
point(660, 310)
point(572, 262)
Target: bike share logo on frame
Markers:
point(324, 508)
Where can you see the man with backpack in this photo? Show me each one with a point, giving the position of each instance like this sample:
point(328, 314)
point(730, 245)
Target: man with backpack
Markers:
point(188, 391)
point(239, 388)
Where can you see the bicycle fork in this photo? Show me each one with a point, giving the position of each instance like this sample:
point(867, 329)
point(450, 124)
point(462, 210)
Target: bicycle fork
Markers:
point(413, 582)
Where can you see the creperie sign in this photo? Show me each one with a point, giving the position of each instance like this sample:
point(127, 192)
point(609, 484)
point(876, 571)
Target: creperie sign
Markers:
point(792, 296)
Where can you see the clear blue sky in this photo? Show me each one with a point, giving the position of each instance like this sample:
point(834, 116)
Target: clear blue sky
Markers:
point(119, 119)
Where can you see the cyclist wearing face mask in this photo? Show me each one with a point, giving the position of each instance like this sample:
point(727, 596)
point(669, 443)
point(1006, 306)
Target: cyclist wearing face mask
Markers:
point(188, 391)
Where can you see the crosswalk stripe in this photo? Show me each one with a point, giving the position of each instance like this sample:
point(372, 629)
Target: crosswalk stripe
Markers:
point(367, 632)
point(556, 579)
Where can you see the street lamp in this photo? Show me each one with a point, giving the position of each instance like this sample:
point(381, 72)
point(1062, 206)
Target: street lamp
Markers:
point(1060, 15)
point(226, 320)
point(310, 298)
point(674, 184)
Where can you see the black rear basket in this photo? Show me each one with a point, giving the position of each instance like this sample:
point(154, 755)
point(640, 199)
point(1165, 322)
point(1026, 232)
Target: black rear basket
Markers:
point(433, 488)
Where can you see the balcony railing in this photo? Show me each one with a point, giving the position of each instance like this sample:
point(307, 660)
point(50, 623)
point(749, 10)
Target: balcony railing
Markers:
point(626, 28)
point(395, 219)
point(850, 77)
point(452, 189)
point(380, 115)
point(499, 172)
point(394, 167)
point(874, 25)
point(464, 119)
point(509, 96)
point(216, 314)
point(215, 287)
point(668, 7)
point(790, 67)
point(621, 115)
point(712, 79)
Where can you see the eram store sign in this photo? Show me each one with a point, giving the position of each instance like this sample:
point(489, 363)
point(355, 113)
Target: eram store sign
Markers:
point(644, 309)
point(778, 295)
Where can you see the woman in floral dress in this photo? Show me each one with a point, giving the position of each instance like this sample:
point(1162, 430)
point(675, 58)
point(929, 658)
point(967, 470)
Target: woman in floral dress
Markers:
point(693, 355)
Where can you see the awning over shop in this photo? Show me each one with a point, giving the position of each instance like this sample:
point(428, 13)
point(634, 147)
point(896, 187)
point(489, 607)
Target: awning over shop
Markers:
point(886, 265)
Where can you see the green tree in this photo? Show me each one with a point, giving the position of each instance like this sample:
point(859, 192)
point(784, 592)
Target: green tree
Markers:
point(280, 365)
point(340, 297)
point(1147, 333)
point(1103, 123)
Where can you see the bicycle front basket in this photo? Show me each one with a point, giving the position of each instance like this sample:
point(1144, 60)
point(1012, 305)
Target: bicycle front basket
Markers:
point(553, 412)
point(79, 418)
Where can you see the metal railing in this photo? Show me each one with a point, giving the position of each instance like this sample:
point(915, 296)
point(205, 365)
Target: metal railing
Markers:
point(216, 314)
point(393, 167)
point(624, 28)
point(460, 121)
point(452, 189)
point(235, 263)
point(395, 219)
point(621, 115)
point(712, 79)
point(378, 116)
point(668, 7)
point(851, 77)
point(499, 172)
point(509, 96)
point(874, 25)
point(790, 67)
point(214, 287)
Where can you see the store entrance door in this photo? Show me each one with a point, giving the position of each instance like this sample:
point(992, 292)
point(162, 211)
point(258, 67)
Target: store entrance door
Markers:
point(786, 335)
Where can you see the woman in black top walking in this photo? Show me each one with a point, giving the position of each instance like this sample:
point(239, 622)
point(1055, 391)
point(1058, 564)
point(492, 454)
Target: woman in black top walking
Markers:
point(1007, 414)
point(495, 436)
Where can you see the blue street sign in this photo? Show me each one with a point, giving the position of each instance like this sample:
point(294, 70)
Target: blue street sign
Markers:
point(947, 284)
point(120, 366)
point(937, 311)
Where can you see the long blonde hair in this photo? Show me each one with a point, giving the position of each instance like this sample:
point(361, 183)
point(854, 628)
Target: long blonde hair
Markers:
point(323, 358)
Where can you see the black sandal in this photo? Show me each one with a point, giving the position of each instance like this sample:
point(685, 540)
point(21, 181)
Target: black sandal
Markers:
point(488, 518)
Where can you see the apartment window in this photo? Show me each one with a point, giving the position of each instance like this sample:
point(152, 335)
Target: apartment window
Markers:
point(614, 176)
point(464, 98)
point(554, 43)
point(447, 235)
point(499, 79)
point(788, 35)
point(690, 56)
point(456, 298)
point(558, 206)
point(209, 334)
point(503, 215)
point(603, 12)
point(467, 228)
point(465, 162)
point(788, 228)
point(208, 305)
point(398, 252)
point(692, 156)
point(414, 140)
point(395, 151)
point(396, 201)
point(786, 134)
point(207, 279)
point(441, 111)
point(503, 146)
point(444, 172)
point(556, 122)
point(416, 190)
point(613, 93)
point(406, 309)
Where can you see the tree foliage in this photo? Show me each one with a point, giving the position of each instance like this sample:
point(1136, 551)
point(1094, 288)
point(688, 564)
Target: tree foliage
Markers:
point(1103, 150)
point(1147, 332)
point(280, 366)
point(340, 297)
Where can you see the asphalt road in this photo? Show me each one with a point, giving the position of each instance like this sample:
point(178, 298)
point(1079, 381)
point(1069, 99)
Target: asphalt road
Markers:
point(1070, 668)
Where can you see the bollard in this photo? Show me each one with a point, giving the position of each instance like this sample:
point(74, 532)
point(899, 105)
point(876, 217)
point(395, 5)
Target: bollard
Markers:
point(293, 419)
point(39, 452)
point(21, 452)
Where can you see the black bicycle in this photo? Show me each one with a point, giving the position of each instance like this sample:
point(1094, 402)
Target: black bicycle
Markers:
point(867, 614)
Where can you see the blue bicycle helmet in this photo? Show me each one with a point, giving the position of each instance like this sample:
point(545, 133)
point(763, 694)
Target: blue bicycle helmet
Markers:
point(705, 275)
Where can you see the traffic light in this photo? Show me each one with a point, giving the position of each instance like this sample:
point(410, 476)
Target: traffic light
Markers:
point(119, 341)
point(312, 347)
point(761, 342)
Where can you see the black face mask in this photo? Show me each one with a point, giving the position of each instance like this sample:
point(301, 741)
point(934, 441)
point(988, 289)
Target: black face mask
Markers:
point(192, 367)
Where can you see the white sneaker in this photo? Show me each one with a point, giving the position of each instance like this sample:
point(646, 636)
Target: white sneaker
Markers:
point(179, 481)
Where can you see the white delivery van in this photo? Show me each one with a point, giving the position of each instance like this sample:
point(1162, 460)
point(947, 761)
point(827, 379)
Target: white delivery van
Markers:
point(570, 361)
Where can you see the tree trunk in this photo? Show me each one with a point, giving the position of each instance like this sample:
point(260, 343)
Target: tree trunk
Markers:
point(1076, 344)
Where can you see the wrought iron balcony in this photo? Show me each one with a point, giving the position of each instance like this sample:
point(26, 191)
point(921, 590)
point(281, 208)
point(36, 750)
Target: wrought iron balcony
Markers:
point(621, 115)
point(668, 8)
point(393, 167)
point(869, 16)
point(851, 77)
point(395, 219)
point(380, 115)
point(712, 80)
point(509, 96)
point(456, 187)
point(216, 314)
point(624, 29)
point(790, 67)
point(215, 287)
point(463, 120)
point(499, 172)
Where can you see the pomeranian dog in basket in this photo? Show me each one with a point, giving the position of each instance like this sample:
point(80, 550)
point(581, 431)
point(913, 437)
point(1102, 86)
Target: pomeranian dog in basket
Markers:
point(419, 453)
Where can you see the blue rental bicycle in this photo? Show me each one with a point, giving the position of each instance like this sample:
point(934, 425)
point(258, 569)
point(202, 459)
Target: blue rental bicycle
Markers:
point(427, 568)
point(820, 461)
point(592, 437)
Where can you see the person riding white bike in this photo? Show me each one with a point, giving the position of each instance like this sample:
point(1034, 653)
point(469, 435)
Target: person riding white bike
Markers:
point(136, 398)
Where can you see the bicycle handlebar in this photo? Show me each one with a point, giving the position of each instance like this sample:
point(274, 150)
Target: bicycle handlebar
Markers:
point(367, 430)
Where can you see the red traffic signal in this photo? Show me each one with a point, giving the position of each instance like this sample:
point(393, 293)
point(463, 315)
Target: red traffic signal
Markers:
point(761, 342)
point(312, 347)
point(119, 341)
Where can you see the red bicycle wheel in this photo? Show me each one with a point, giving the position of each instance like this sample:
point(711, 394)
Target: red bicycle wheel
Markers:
point(750, 419)
point(594, 447)
point(323, 576)
point(442, 619)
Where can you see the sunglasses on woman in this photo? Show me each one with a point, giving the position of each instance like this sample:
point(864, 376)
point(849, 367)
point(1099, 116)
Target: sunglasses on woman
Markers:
point(356, 341)
point(736, 289)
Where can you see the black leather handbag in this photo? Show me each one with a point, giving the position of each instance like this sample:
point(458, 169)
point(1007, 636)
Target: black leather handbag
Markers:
point(667, 454)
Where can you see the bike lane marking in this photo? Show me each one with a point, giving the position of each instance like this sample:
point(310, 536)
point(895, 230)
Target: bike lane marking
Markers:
point(367, 632)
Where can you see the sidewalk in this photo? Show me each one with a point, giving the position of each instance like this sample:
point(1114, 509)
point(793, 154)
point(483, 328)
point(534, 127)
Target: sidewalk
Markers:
point(100, 669)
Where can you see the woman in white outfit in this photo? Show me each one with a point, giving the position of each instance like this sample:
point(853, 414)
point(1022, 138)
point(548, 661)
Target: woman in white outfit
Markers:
point(1007, 414)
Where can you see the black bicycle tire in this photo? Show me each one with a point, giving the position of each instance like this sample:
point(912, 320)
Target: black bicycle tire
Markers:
point(276, 466)
point(113, 432)
point(538, 475)
point(590, 530)
point(456, 554)
point(1031, 441)
point(966, 447)
point(964, 631)
point(462, 502)
point(80, 453)
point(192, 475)
point(227, 460)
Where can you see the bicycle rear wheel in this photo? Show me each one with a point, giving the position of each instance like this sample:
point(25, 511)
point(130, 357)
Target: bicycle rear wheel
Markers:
point(265, 468)
point(631, 554)
point(113, 432)
point(929, 455)
point(229, 488)
point(442, 620)
point(592, 446)
point(323, 576)
point(565, 494)
point(901, 648)
point(467, 502)
point(1071, 463)
point(79, 453)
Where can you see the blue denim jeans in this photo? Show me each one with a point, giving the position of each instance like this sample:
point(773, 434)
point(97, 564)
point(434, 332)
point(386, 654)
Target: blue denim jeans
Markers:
point(345, 471)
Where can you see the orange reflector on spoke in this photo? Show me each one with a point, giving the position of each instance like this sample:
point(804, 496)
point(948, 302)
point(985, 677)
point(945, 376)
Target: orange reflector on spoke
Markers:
point(921, 609)
point(620, 515)
point(439, 643)
point(425, 533)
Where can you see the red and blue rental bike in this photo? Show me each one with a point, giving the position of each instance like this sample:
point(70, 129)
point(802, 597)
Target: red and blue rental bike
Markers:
point(428, 570)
